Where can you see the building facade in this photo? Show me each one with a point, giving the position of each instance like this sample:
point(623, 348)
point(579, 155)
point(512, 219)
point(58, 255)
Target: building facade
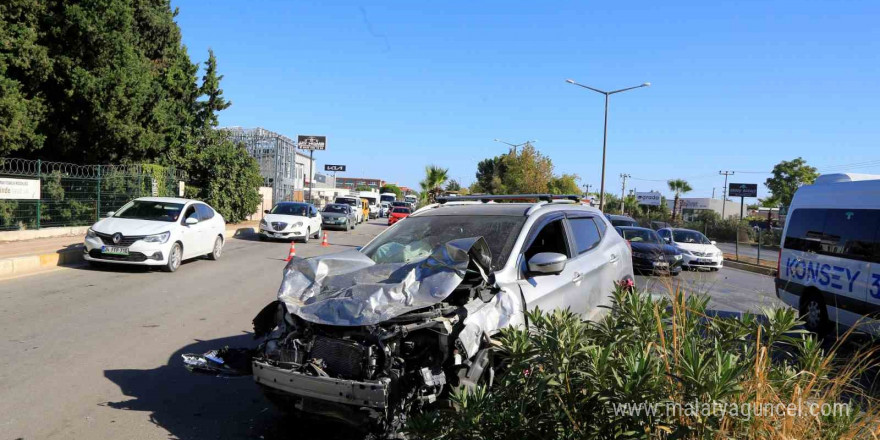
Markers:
point(691, 206)
point(354, 182)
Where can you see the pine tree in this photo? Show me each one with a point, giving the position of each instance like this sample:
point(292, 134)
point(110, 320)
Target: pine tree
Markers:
point(214, 101)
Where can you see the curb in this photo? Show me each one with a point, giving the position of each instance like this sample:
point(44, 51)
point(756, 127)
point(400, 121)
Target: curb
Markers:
point(14, 266)
point(754, 268)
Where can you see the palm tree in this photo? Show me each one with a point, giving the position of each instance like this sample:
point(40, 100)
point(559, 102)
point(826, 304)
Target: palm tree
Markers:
point(679, 187)
point(432, 186)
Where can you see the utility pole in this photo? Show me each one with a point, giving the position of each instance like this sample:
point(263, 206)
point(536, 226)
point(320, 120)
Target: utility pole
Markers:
point(724, 191)
point(623, 176)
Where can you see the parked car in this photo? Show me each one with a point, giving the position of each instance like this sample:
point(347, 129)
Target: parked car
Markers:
point(401, 205)
point(398, 214)
point(384, 209)
point(156, 231)
point(622, 220)
point(828, 263)
point(650, 254)
point(697, 251)
point(338, 216)
point(369, 336)
point(291, 221)
point(355, 204)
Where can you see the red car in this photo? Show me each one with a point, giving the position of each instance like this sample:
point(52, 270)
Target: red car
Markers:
point(398, 214)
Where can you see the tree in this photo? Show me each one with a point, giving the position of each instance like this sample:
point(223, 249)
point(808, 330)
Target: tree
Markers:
point(392, 188)
point(679, 187)
point(363, 187)
point(453, 185)
point(788, 176)
point(214, 101)
point(225, 176)
point(432, 185)
point(529, 171)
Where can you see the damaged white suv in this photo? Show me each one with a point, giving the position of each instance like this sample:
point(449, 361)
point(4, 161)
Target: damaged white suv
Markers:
point(368, 336)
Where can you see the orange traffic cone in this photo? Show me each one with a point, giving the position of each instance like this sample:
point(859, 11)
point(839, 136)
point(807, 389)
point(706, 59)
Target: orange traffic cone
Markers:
point(324, 242)
point(292, 252)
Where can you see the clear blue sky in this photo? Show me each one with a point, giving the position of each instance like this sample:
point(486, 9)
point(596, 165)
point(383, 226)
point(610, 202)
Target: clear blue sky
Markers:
point(397, 85)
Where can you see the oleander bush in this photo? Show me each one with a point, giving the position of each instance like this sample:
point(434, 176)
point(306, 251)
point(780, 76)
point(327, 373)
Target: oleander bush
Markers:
point(565, 378)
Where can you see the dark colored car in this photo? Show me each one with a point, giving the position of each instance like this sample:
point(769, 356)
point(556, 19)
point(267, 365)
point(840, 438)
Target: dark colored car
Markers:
point(650, 254)
point(339, 216)
point(622, 220)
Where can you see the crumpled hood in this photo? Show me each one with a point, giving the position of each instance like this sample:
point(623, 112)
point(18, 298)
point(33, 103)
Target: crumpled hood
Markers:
point(350, 289)
point(130, 226)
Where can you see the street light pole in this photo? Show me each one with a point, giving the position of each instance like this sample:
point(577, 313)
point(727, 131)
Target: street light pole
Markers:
point(605, 134)
point(516, 145)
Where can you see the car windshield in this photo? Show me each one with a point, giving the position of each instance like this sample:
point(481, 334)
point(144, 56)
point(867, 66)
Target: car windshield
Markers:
point(350, 202)
point(416, 237)
point(290, 209)
point(150, 210)
point(401, 211)
point(685, 236)
point(336, 208)
point(623, 222)
point(387, 198)
point(641, 236)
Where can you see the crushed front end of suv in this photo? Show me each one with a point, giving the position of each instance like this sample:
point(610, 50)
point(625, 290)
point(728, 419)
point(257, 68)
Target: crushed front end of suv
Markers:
point(368, 343)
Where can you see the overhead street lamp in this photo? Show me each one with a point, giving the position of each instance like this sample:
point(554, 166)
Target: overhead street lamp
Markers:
point(605, 135)
point(516, 145)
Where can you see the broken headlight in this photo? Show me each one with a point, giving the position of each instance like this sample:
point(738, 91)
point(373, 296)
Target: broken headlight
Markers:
point(91, 233)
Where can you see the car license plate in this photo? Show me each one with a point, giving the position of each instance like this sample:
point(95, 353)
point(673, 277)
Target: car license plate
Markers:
point(704, 260)
point(661, 264)
point(114, 250)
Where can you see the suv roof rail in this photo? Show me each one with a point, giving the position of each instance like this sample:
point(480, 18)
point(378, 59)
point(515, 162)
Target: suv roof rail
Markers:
point(486, 198)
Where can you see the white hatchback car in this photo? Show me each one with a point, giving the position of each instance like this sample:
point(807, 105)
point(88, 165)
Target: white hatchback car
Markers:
point(156, 231)
point(697, 251)
point(291, 221)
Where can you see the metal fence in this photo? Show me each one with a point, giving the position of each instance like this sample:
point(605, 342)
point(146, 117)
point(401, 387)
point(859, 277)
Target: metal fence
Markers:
point(276, 155)
point(76, 195)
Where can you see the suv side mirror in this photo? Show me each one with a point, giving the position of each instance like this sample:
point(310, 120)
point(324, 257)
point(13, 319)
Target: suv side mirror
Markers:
point(265, 211)
point(667, 240)
point(713, 242)
point(110, 213)
point(547, 263)
point(191, 220)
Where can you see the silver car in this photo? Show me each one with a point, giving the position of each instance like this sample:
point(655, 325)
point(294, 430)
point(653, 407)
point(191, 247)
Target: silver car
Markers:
point(367, 336)
point(338, 216)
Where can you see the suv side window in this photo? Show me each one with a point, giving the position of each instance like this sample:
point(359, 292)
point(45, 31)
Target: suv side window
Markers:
point(204, 211)
point(664, 233)
point(849, 233)
point(586, 233)
point(805, 230)
point(551, 238)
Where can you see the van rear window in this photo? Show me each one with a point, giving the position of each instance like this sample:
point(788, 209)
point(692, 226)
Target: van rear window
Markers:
point(845, 233)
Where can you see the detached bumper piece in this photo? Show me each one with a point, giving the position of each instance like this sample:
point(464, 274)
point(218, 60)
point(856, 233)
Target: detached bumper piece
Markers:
point(373, 394)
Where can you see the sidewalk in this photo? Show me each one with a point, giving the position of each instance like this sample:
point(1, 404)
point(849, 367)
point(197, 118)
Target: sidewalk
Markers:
point(21, 257)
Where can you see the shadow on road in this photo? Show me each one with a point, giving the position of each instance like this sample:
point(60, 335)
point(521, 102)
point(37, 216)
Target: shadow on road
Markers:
point(193, 406)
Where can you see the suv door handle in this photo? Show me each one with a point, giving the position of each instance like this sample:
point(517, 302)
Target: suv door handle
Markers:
point(613, 258)
point(577, 277)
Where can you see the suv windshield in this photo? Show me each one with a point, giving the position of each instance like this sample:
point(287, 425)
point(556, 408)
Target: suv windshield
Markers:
point(401, 210)
point(290, 209)
point(640, 236)
point(149, 210)
point(336, 208)
point(346, 201)
point(416, 237)
point(685, 236)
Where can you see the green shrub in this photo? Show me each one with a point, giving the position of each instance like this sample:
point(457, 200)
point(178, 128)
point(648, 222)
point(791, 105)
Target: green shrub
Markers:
point(567, 379)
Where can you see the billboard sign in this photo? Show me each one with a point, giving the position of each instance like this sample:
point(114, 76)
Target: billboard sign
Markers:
point(304, 142)
point(334, 168)
point(649, 198)
point(19, 189)
point(743, 190)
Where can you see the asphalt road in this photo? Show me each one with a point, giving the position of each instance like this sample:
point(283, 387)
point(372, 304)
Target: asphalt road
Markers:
point(96, 353)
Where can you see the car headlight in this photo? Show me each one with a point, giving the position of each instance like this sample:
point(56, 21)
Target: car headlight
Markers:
point(91, 233)
point(677, 256)
point(297, 224)
point(157, 238)
point(264, 223)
